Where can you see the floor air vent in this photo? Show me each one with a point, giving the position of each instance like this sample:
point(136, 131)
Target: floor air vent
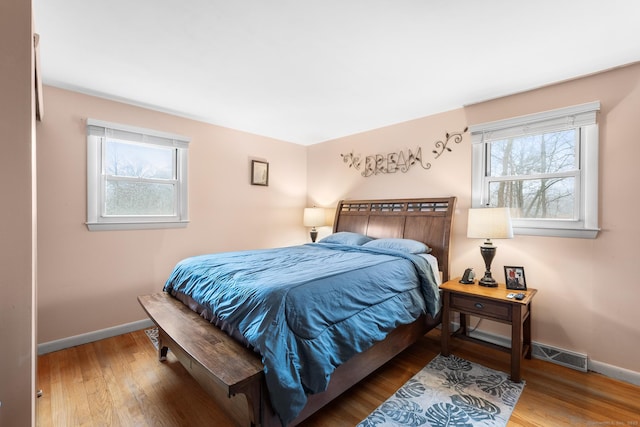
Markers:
point(561, 357)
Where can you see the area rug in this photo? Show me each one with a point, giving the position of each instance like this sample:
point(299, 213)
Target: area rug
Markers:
point(153, 336)
point(450, 391)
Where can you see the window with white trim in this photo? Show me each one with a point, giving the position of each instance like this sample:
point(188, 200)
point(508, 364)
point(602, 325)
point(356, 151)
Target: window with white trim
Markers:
point(544, 167)
point(136, 178)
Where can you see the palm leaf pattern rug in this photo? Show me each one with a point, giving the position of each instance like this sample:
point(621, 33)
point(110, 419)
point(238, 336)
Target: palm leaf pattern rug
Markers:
point(153, 336)
point(450, 391)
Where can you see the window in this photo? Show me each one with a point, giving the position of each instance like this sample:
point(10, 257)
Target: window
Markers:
point(544, 167)
point(136, 178)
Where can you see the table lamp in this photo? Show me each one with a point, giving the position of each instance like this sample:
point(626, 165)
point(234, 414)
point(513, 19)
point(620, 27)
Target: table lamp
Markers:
point(489, 223)
point(314, 217)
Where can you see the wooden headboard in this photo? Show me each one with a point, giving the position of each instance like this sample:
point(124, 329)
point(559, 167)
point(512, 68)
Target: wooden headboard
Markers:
point(427, 220)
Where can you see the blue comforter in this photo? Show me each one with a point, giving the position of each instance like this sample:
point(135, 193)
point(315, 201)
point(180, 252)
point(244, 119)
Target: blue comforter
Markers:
point(307, 309)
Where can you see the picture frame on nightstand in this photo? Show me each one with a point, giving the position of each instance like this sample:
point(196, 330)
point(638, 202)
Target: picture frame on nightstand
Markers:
point(514, 278)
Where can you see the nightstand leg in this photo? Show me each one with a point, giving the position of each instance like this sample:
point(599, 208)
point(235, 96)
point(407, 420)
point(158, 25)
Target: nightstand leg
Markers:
point(516, 343)
point(464, 324)
point(446, 324)
point(527, 334)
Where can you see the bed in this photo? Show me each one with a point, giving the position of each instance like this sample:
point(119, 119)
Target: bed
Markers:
point(232, 359)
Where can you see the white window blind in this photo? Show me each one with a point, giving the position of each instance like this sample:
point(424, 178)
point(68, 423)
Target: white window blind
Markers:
point(129, 133)
point(546, 122)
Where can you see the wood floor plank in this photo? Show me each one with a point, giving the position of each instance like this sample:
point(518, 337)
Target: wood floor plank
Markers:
point(44, 384)
point(120, 382)
point(69, 404)
point(117, 381)
point(101, 404)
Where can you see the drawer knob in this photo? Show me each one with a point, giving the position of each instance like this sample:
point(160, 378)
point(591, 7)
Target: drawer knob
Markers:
point(479, 306)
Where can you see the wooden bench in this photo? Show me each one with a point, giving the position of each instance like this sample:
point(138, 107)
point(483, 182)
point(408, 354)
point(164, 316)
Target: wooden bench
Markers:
point(223, 367)
point(233, 375)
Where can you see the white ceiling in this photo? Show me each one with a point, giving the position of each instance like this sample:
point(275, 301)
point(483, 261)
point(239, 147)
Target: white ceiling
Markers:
point(307, 71)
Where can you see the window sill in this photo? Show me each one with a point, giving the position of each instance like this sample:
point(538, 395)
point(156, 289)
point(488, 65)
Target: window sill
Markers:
point(109, 226)
point(580, 233)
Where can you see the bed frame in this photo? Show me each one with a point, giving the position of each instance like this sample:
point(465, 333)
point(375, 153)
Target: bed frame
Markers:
point(232, 374)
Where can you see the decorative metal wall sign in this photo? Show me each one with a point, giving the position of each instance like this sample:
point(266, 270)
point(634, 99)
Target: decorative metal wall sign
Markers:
point(399, 161)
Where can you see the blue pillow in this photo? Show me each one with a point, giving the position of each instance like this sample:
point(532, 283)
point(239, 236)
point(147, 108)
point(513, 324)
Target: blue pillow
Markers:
point(346, 238)
point(404, 245)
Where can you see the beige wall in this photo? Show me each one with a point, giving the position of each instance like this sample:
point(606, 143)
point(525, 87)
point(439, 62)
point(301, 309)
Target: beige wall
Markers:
point(587, 299)
point(90, 280)
point(17, 234)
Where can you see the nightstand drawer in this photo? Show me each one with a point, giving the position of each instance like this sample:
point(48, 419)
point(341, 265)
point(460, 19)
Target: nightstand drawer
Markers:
point(480, 306)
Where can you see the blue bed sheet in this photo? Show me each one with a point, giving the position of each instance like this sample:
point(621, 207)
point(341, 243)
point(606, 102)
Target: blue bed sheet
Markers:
point(307, 309)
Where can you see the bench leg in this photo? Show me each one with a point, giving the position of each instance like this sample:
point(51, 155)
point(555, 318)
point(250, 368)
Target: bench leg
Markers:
point(162, 349)
point(162, 353)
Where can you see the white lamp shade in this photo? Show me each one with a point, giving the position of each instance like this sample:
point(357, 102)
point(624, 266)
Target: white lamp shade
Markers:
point(489, 223)
point(314, 217)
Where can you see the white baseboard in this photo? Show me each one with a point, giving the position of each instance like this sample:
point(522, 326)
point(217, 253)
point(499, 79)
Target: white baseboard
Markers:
point(73, 341)
point(605, 369)
point(611, 371)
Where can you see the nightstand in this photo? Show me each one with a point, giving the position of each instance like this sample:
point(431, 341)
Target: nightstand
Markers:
point(491, 304)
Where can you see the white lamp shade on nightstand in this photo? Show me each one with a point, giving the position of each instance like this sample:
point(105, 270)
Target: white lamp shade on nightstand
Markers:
point(489, 223)
point(314, 217)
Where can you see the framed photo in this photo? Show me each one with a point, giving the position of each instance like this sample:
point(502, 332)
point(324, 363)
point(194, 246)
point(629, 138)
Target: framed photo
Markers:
point(514, 278)
point(259, 173)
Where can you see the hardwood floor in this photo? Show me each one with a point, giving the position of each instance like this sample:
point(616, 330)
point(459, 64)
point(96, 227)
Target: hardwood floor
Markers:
point(119, 382)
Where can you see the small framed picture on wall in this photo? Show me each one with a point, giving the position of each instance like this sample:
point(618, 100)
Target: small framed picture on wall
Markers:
point(514, 278)
point(259, 173)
